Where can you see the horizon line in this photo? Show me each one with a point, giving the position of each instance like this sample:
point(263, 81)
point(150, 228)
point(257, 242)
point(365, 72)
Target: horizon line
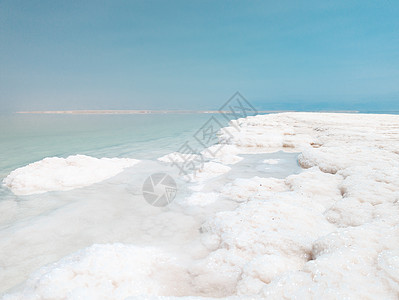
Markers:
point(150, 111)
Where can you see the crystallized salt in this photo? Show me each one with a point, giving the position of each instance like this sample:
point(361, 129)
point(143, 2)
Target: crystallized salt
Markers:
point(62, 174)
point(330, 232)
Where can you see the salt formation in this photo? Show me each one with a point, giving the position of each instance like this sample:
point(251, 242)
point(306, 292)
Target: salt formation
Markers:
point(178, 157)
point(330, 232)
point(352, 183)
point(209, 170)
point(62, 174)
point(271, 161)
point(201, 199)
point(223, 153)
point(107, 272)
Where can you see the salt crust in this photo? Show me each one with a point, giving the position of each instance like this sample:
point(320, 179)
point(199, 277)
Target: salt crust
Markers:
point(63, 174)
point(331, 232)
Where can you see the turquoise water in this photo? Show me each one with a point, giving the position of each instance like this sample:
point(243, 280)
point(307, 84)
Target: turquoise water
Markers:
point(28, 138)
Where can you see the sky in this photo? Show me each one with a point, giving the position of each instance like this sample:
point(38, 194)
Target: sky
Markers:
point(298, 55)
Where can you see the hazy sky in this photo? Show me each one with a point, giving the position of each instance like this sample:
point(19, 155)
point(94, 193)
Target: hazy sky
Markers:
point(195, 54)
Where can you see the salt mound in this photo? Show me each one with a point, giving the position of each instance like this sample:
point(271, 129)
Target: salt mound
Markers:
point(62, 174)
point(350, 181)
point(256, 242)
point(241, 190)
point(208, 171)
point(348, 263)
point(201, 199)
point(225, 154)
point(111, 271)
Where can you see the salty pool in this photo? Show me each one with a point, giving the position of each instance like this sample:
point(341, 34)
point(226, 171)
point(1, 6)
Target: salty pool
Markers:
point(278, 165)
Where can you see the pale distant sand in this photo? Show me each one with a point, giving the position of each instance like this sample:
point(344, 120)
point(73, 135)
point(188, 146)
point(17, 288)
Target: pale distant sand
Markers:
point(116, 112)
point(128, 112)
point(135, 112)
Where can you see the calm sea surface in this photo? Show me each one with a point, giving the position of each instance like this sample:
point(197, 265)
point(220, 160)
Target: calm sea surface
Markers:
point(28, 138)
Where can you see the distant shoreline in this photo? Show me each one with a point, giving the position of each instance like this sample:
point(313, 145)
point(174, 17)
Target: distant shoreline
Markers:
point(143, 112)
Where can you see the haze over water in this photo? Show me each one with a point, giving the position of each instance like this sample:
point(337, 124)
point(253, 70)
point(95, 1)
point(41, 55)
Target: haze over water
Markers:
point(297, 205)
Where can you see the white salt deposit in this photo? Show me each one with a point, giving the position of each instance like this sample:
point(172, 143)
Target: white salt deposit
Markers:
point(201, 199)
point(241, 189)
point(178, 157)
point(62, 174)
point(271, 161)
point(108, 272)
point(330, 232)
point(223, 153)
point(210, 170)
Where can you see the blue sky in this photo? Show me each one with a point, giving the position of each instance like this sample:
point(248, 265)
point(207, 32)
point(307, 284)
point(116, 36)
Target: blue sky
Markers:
point(196, 54)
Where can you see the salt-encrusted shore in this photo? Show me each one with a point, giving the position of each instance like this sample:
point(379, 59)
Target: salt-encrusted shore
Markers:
point(330, 232)
point(63, 174)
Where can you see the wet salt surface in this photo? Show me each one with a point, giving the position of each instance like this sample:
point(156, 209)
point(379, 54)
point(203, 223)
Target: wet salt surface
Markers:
point(284, 164)
point(330, 231)
point(39, 229)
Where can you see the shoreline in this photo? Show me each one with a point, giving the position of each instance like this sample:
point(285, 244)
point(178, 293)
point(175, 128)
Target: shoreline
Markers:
point(143, 112)
point(262, 236)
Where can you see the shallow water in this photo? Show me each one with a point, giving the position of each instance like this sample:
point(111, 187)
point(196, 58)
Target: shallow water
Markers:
point(284, 164)
point(28, 138)
point(38, 229)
